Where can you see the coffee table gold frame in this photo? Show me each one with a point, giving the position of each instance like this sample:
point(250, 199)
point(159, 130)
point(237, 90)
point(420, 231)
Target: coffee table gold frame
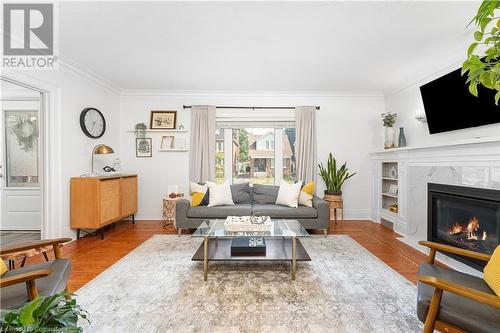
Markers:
point(298, 253)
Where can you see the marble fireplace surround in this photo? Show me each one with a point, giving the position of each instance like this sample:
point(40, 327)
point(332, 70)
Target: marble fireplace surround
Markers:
point(474, 163)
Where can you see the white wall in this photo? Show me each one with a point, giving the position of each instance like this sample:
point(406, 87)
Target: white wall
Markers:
point(76, 93)
point(406, 101)
point(349, 127)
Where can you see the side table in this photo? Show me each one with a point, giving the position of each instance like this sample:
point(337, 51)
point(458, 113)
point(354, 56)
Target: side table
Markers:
point(169, 205)
point(337, 205)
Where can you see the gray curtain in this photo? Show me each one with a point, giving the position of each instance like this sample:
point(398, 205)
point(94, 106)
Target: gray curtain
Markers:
point(305, 143)
point(202, 152)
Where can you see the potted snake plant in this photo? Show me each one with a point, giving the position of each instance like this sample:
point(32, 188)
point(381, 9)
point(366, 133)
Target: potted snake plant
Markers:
point(334, 177)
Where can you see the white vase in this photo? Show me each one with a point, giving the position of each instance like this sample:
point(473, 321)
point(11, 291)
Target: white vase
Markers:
point(389, 137)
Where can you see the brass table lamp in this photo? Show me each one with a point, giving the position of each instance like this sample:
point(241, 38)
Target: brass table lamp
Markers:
point(100, 149)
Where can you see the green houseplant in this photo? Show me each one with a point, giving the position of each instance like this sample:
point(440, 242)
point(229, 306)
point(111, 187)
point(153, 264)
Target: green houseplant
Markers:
point(483, 68)
point(388, 120)
point(334, 178)
point(45, 314)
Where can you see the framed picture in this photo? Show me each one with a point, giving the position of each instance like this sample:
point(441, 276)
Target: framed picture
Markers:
point(163, 120)
point(143, 147)
point(167, 142)
point(393, 189)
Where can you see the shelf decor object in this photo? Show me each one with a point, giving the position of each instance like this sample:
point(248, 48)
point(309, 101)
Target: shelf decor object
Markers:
point(98, 150)
point(388, 120)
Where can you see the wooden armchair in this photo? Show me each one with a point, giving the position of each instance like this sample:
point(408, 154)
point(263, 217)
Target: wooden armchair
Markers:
point(21, 285)
point(468, 304)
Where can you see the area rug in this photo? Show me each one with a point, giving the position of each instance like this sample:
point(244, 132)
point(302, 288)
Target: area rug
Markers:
point(157, 288)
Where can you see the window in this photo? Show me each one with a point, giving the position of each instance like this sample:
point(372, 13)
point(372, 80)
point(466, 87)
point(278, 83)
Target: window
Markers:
point(21, 133)
point(289, 170)
point(258, 155)
point(219, 156)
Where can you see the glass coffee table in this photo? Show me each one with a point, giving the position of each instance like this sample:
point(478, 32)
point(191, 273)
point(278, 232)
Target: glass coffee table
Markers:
point(282, 243)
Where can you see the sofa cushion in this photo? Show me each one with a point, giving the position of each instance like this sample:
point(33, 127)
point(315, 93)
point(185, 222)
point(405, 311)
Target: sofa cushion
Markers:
point(16, 295)
point(265, 194)
point(241, 193)
point(276, 211)
point(219, 211)
point(462, 312)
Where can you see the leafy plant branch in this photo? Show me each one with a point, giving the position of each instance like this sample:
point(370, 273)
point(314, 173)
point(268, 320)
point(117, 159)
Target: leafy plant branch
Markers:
point(484, 68)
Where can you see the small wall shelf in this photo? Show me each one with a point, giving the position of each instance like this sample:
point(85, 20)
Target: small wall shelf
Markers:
point(161, 131)
point(395, 196)
point(389, 178)
point(172, 150)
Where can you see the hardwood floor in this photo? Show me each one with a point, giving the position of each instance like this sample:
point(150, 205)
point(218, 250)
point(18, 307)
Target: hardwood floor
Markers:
point(90, 255)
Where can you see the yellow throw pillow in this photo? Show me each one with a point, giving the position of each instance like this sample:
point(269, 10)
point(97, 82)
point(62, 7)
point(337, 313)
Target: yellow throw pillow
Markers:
point(309, 188)
point(492, 271)
point(197, 198)
point(3, 267)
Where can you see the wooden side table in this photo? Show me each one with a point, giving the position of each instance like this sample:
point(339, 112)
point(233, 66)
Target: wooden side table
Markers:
point(337, 205)
point(169, 205)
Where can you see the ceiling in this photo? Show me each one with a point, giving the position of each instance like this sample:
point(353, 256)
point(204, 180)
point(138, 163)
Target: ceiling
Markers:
point(341, 47)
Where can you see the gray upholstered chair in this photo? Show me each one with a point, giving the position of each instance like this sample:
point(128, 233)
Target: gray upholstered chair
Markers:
point(18, 286)
point(451, 301)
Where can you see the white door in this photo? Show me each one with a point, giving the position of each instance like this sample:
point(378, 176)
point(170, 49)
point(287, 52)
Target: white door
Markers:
point(20, 196)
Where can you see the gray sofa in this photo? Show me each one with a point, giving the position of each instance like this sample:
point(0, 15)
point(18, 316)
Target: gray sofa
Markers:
point(257, 198)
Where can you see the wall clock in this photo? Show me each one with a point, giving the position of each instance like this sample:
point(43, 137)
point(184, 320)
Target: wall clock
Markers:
point(92, 123)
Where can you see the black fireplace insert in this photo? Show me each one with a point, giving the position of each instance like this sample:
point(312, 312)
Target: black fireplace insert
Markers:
point(464, 217)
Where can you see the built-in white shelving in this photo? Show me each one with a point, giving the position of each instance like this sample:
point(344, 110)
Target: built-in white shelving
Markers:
point(389, 188)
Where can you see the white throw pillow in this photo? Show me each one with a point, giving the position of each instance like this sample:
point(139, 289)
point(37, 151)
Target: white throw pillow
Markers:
point(194, 187)
point(305, 199)
point(288, 194)
point(220, 195)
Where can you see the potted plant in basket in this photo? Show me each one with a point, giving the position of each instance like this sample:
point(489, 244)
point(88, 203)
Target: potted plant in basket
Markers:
point(55, 313)
point(334, 178)
point(389, 119)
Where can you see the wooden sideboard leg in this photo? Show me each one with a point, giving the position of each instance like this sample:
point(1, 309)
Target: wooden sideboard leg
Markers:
point(77, 233)
point(102, 233)
point(133, 219)
point(179, 231)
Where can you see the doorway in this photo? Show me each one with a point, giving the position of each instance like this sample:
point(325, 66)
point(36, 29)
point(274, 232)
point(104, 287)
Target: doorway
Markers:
point(21, 162)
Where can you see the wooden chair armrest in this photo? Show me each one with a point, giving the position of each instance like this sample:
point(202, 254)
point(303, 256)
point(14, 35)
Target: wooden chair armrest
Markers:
point(24, 277)
point(455, 250)
point(35, 244)
point(458, 289)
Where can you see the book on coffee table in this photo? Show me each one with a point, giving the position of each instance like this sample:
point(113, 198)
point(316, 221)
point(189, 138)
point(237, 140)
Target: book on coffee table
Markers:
point(248, 246)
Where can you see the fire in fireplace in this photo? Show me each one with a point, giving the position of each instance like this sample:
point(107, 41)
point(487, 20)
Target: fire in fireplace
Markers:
point(464, 217)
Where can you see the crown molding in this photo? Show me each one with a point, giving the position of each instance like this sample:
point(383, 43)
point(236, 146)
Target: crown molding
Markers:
point(87, 74)
point(241, 93)
point(429, 77)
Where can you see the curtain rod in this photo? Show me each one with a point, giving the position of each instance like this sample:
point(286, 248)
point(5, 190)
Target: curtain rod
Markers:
point(252, 107)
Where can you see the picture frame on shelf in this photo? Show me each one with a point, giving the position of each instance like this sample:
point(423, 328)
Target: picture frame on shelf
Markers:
point(143, 147)
point(393, 189)
point(180, 143)
point(167, 142)
point(163, 120)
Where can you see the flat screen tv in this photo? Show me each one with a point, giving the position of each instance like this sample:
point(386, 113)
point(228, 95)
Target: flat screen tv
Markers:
point(450, 106)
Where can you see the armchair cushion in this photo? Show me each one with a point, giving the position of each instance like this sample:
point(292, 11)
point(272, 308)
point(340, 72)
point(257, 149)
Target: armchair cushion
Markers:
point(462, 312)
point(16, 295)
point(3, 267)
point(492, 271)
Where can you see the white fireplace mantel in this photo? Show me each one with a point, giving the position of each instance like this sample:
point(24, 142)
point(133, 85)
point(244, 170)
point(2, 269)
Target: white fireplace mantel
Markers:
point(461, 163)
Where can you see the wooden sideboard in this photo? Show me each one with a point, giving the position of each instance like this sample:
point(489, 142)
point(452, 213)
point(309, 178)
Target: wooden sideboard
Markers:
point(99, 201)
